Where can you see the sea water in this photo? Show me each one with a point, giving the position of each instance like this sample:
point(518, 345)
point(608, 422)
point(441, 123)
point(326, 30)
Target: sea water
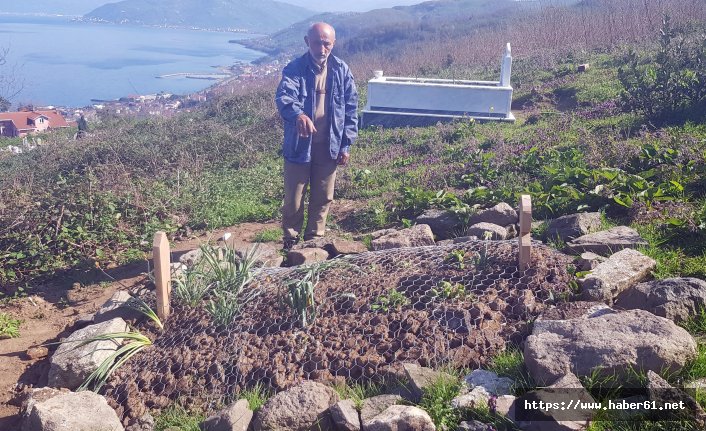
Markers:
point(64, 62)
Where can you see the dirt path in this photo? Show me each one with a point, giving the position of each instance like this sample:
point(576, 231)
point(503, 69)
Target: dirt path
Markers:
point(51, 310)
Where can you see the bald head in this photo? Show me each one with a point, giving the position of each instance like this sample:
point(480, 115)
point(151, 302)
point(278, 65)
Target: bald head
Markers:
point(320, 40)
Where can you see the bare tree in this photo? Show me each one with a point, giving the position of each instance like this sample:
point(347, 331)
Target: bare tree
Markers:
point(11, 82)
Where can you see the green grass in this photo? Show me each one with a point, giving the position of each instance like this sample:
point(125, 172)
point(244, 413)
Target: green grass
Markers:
point(357, 392)
point(268, 235)
point(176, 416)
point(436, 401)
point(675, 256)
point(511, 363)
point(256, 396)
point(9, 326)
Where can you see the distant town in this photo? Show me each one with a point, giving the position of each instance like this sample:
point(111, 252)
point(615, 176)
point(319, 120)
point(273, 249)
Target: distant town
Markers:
point(31, 120)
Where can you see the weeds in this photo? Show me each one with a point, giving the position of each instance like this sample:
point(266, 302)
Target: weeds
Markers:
point(9, 326)
point(436, 401)
point(393, 300)
point(256, 396)
point(178, 417)
point(268, 235)
point(300, 296)
point(358, 392)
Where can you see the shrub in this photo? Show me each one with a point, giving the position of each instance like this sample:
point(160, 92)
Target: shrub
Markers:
point(671, 86)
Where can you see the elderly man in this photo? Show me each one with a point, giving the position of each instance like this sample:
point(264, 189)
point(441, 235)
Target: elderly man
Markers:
point(317, 100)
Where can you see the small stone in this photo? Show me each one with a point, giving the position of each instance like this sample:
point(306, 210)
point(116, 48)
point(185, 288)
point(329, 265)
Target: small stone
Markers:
point(400, 418)
point(343, 247)
point(572, 226)
point(345, 416)
point(373, 406)
point(501, 214)
point(606, 242)
point(490, 381)
point(415, 236)
point(306, 256)
point(487, 231)
point(420, 378)
point(37, 352)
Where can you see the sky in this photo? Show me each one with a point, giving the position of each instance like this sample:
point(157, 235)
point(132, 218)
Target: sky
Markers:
point(81, 7)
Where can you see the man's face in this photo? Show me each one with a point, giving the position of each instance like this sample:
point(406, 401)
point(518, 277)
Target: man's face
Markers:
point(320, 41)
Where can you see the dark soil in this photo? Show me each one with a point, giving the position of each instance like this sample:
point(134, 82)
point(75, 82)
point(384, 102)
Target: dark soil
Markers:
point(360, 332)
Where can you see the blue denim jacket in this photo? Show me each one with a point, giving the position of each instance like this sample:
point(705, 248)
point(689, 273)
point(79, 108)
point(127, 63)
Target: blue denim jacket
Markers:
point(295, 95)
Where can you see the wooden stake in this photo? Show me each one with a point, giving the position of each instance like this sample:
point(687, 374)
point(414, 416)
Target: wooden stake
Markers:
point(162, 273)
point(525, 240)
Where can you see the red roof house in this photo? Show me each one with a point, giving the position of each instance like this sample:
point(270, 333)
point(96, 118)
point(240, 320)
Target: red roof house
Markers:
point(13, 124)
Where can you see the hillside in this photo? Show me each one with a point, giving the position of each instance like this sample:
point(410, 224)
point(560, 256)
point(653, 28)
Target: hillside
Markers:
point(624, 139)
point(259, 16)
point(384, 25)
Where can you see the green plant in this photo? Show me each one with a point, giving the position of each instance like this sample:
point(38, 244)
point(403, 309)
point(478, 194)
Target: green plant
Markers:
point(670, 85)
point(511, 363)
point(136, 343)
point(447, 290)
point(228, 277)
point(358, 391)
point(191, 287)
point(436, 401)
point(300, 295)
point(256, 395)
point(177, 417)
point(696, 324)
point(268, 235)
point(144, 308)
point(393, 300)
point(223, 307)
point(457, 258)
point(9, 326)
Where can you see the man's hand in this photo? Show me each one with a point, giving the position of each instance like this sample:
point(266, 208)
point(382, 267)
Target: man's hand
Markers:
point(343, 159)
point(305, 126)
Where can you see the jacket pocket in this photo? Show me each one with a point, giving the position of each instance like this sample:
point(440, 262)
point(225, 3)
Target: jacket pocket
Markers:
point(290, 148)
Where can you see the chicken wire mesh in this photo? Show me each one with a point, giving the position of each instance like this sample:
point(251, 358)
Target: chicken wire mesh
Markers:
point(455, 305)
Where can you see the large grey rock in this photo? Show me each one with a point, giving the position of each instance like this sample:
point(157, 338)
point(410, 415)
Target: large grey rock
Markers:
point(373, 406)
point(501, 214)
point(609, 342)
point(345, 416)
point(71, 411)
point(71, 364)
point(567, 389)
point(415, 236)
point(401, 418)
point(677, 299)
point(490, 382)
point(301, 408)
point(572, 226)
point(606, 242)
point(441, 222)
point(419, 378)
point(117, 306)
point(235, 417)
point(305, 256)
point(660, 391)
point(621, 271)
point(485, 230)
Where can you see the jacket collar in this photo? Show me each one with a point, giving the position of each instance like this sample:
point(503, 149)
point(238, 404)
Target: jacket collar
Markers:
point(332, 60)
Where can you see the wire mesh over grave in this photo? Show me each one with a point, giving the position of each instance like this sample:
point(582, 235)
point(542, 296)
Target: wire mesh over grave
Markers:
point(452, 305)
